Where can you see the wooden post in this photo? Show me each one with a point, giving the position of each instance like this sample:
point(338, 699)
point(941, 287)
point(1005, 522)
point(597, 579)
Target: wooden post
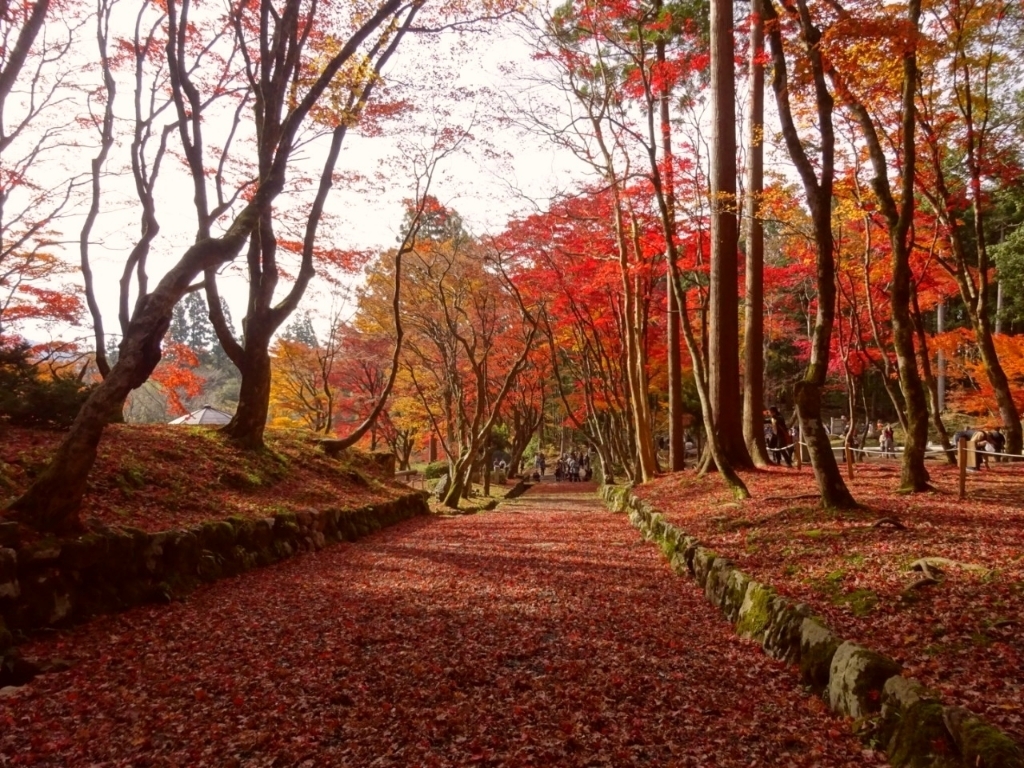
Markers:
point(849, 461)
point(961, 460)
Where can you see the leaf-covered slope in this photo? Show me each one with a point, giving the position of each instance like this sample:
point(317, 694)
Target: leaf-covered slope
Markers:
point(161, 477)
point(960, 634)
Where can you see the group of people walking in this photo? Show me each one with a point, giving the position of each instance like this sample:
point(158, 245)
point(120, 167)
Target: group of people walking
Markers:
point(572, 467)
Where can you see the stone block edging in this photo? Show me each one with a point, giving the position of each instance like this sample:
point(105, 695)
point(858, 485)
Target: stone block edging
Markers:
point(896, 713)
point(59, 582)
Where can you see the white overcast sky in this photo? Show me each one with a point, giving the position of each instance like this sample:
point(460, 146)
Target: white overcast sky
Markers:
point(454, 82)
point(497, 175)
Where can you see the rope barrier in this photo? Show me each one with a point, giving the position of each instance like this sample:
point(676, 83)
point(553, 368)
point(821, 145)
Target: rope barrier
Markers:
point(963, 452)
point(899, 450)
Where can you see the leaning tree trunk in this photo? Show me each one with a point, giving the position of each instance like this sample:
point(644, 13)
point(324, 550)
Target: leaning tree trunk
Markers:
point(1000, 384)
point(899, 218)
point(460, 473)
point(831, 486)
point(914, 474)
point(53, 500)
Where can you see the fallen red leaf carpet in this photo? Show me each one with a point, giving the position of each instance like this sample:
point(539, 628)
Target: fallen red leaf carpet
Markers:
point(545, 633)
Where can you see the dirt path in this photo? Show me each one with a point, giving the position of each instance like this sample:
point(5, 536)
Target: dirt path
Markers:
point(542, 634)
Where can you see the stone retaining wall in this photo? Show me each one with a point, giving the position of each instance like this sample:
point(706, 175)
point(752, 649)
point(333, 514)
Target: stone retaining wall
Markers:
point(895, 713)
point(56, 582)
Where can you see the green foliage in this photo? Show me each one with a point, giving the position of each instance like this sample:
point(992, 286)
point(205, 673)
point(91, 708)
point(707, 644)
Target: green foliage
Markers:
point(1009, 258)
point(501, 439)
point(29, 400)
point(435, 470)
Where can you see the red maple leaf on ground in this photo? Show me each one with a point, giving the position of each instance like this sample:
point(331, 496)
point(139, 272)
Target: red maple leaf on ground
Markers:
point(960, 635)
point(545, 633)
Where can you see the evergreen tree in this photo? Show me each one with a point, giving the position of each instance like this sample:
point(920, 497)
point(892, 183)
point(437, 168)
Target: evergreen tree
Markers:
point(301, 330)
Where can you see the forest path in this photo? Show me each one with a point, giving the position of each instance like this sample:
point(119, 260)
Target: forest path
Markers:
point(545, 633)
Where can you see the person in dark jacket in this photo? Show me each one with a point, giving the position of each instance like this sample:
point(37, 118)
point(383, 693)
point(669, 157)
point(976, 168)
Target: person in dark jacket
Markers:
point(780, 440)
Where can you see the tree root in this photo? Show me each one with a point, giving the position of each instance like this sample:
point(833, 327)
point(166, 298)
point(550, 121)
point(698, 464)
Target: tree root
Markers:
point(924, 581)
point(937, 564)
point(889, 522)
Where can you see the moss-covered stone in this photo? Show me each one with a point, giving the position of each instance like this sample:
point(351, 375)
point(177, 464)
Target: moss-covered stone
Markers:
point(217, 535)
point(678, 564)
point(920, 739)
point(182, 552)
point(122, 561)
point(84, 552)
point(282, 550)
point(43, 552)
point(735, 592)
point(980, 744)
point(899, 696)
point(209, 567)
point(782, 637)
point(857, 676)
point(754, 615)
point(716, 587)
point(8, 564)
point(262, 533)
point(703, 559)
point(688, 546)
point(656, 527)
point(817, 647)
point(9, 587)
point(667, 545)
point(285, 523)
point(615, 497)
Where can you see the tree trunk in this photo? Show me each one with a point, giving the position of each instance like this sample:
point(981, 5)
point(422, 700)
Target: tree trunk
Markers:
point(833, 490)
point(715, 453)
point(1000, 384)
point(930, 383)
point(460, 481)
point(899, 217)
point(247, 426)
point(831, 486)
point(636, 359)
point(914, 474)
point(676, 441)
point(753, 305)
point(53, 500)
point(723, 349)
